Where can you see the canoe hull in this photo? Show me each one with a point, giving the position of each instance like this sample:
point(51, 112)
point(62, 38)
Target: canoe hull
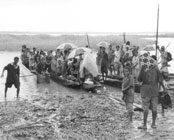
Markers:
point(75, 84)
point(118, 83)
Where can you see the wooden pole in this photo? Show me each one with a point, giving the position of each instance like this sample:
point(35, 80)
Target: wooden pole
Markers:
point(124, 37)
point(157, 31)
point(88, 40)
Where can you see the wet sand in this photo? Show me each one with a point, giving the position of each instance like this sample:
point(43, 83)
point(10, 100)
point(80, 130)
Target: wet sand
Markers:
point(51, 111)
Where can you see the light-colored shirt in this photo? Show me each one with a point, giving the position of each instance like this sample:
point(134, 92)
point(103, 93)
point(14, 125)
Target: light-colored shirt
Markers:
point(164, 58)
point(135, 61)
point(117, 55)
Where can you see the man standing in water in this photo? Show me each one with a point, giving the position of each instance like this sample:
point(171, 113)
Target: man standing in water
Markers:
point(13, 72)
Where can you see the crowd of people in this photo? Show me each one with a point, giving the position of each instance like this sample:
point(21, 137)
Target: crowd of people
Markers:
point(113, 60)
point(56, 63)
point(153, 90)
point(124, 61)
point(109, 60)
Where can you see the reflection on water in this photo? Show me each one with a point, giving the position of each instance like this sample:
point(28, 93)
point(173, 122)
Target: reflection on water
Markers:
point(29, 87)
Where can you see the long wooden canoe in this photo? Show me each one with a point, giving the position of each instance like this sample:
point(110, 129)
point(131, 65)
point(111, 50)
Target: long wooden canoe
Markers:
point(75, 84)
point(116, 81)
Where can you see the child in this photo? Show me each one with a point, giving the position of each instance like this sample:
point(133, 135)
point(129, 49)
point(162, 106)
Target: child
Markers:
point(128, 91)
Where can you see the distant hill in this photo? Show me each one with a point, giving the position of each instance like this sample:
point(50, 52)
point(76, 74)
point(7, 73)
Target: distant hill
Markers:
point(13, 41)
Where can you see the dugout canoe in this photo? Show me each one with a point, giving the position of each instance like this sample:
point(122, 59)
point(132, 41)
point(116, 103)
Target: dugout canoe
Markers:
point(116, 81)
point(41, 78)
point(75, 84)
point(61, 80)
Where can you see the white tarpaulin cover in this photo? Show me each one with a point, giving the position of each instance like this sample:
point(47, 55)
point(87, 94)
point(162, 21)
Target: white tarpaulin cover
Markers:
point(78, 51)
point(89, 63)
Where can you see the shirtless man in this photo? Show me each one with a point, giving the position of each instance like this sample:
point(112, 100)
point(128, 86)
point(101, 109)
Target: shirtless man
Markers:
point(13, 72)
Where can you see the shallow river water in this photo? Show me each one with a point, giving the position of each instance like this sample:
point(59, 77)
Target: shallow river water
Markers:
point(29, 87)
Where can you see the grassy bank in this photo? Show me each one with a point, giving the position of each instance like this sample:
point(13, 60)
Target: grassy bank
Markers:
point(10, 42)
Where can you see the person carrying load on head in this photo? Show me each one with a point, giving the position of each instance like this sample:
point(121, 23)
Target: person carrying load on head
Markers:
point(151, 78)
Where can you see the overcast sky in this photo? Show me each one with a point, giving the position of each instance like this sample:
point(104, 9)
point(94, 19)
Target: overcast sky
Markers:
point(86, 15)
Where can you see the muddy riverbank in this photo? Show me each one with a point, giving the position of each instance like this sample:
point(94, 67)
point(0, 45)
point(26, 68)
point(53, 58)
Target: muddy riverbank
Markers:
point(53, 112)
point(51, 116)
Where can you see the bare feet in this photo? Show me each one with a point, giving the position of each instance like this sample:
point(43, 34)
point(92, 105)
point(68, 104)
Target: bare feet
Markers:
point(154, 126)
point(142, 127)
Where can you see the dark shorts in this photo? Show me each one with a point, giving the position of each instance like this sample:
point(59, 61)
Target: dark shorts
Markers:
point(104, 69)
point(9, 84)
point(151, 102)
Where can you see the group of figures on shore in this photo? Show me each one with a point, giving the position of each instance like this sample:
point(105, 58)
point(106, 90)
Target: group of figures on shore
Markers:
point(124, 61)
point(127, 62)
point(115, 59)
point(59, 63)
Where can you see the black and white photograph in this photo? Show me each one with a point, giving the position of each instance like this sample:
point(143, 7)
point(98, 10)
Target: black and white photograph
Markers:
point(86, 70)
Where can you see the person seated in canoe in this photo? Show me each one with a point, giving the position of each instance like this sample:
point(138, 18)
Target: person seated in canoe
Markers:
point(71, 75)
point(74, 69)
point(117, 63)
point(59, 63)
point(64, 63)
point(40, 66)
point(37, 57)
point(49, 57)
point(41, 71)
